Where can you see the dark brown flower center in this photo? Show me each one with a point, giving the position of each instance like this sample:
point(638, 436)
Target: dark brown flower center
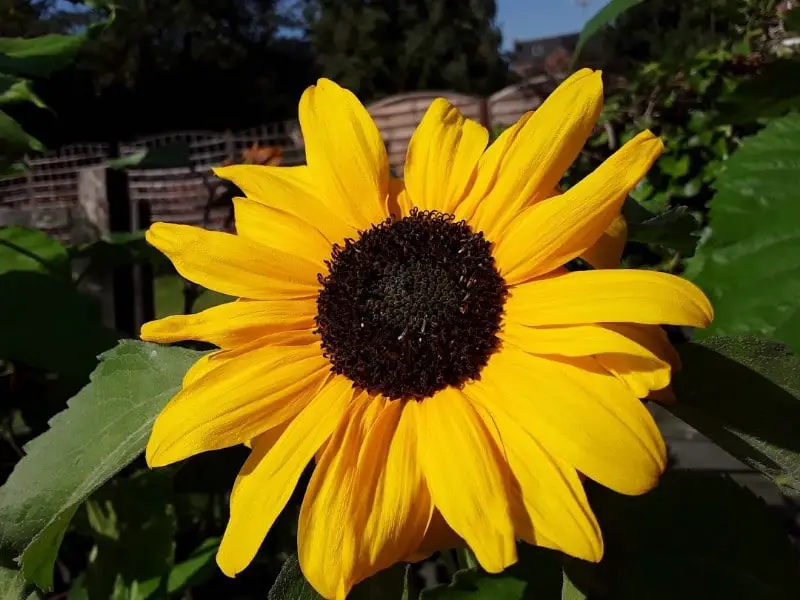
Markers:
point(412, 306)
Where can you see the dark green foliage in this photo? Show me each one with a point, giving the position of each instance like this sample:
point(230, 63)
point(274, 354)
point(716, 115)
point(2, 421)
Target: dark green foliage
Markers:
point(676, 68)
point(80, 512)
point(698, 535)
point(744, 393)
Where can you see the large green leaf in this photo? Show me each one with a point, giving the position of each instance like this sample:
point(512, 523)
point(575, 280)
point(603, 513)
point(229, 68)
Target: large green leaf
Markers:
point(14, 587)
point(24, 249)
point(13, 89)
point(472, 584)
point(749, 263)
point(537, 574)
point(46, 323)
point(604, 17)
point(103, 429)
point(14, 140)
point(698, 535)
point(675, 229)
point(744, 393)
point(290, 584)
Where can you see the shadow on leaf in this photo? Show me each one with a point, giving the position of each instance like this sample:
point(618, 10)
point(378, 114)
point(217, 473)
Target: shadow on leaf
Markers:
point(698, 535)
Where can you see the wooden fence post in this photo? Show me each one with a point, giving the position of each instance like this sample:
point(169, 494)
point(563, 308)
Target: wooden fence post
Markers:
point(104, 208)
point(485, 114)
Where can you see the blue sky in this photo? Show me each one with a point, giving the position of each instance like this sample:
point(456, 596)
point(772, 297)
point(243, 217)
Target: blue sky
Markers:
point(524, 19)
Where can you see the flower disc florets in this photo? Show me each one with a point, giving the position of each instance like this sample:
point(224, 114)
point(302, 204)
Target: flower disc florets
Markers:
point(412, 306)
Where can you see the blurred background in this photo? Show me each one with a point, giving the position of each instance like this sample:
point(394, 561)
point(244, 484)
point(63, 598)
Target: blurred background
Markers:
point(170, 88)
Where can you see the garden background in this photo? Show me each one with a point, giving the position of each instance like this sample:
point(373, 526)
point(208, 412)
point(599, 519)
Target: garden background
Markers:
point(112, 115)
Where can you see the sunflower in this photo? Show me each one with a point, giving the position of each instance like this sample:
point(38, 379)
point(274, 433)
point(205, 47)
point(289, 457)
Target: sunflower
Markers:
point(421, 342)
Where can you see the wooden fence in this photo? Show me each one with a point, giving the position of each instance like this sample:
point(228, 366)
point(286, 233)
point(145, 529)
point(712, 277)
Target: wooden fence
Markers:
point(47, 197)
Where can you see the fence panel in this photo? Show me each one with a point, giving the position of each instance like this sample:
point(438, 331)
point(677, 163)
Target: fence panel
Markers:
point(47, 197)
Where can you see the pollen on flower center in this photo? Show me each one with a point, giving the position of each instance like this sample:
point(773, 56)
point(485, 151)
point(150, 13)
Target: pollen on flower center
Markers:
point(413, 306)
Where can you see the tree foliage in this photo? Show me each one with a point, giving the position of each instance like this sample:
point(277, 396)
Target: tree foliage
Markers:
point(381, 48)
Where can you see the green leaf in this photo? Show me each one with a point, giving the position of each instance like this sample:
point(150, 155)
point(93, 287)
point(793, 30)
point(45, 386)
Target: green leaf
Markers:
point(198, 567)
point(41, 56)
point(744, 394)
point(14, 140)
point(749, 264)
point(24, 249)
point(292, 585)
point(46, 323)
point(14, 90)
point(537, 574)
point(475, 584)
point(105, 426)
point(14, 587)
point(389, 584)
point(604, 17)
point(170, 156)
point(676, 229)
point(40, 555)
point(698, 535)
point(569, 591)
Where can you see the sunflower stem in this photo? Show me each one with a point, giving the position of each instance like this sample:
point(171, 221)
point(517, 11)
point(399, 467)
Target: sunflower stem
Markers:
point(466, 559)
point(449, 561)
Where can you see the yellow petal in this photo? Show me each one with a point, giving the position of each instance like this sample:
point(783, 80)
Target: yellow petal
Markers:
point(652, 337)
point(550, 233)
point(580, 414)
point(606, 252)
point(345, 153)
point(240, 395)
point(393, 506)
point(526, 162)
point(573, 340)
point(610, 296)
point(271, 472)
point(234, 323)
point(280, 230)
point(326, 537)
point(641, 374)
point(290, 189)
point(202, 366)
point(442, 155)
point(464, 474)
point(235, 265)
point(634, 363)
point(556, 511)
